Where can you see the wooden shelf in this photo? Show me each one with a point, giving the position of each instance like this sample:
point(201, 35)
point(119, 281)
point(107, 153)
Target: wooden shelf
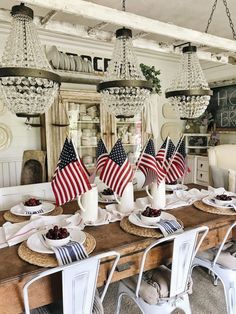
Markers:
point(200, 147)
point(87, 121)
point(79, 77)
point(124, 122)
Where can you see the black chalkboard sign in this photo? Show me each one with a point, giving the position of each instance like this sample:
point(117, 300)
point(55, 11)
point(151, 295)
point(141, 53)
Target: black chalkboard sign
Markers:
point(223, 107)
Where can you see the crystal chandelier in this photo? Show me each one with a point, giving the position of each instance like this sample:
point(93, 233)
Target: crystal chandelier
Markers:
point(124, 89)
point(189, 91)
point(28, 85)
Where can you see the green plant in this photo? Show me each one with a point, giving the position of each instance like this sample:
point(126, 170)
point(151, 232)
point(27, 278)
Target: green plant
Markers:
point(151, 74)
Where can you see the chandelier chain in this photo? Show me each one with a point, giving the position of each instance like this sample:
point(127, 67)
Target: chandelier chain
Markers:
point(211, 15)
point(123, 5)
point(231, 24)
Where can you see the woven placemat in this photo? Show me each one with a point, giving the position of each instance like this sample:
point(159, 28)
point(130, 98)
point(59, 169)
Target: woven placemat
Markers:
point(127, 226)
point(8, 216)
point(214, 210)
point(49, 260)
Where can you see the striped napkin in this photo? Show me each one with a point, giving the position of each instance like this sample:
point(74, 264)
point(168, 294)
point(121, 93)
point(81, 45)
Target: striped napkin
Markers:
point(168, 227)
point(69, 253)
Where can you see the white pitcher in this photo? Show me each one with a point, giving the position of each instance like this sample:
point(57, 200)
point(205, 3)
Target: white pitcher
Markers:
point(126, 201)
point(157, 195)
point(88, 203)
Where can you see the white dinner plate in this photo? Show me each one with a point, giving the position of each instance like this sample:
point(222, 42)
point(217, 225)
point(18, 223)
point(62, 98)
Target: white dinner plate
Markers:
point(67, 62)
point(36, 243)
point(5, 136)
point(19, 209)
point(135, 220)
point(78, 64)
point(211, 201)
point(176, 187)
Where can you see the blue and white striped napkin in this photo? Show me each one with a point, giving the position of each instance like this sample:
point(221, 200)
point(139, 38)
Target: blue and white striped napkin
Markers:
point(69, 253)
point(168, 227)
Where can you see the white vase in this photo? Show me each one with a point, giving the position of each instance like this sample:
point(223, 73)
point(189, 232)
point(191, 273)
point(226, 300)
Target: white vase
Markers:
point(158, 194)
point(88, 203)
point(126, 201)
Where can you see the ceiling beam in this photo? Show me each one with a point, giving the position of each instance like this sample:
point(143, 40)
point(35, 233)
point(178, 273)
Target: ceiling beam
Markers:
point(137, 22)
point(140, 43)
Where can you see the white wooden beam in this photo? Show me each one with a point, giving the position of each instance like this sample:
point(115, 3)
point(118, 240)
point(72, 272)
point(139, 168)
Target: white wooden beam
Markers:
point(140, 43)
point(113, 16)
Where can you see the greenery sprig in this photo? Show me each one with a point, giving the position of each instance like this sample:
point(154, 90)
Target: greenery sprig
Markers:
point(151, 74)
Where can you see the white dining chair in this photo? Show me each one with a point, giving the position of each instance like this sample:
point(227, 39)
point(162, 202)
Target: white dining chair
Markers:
point(79, 281)
point(225, 274)
point(185, 246)
point(10, 196)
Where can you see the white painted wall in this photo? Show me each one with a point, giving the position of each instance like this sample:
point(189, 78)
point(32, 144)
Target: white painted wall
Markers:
point(23, 139)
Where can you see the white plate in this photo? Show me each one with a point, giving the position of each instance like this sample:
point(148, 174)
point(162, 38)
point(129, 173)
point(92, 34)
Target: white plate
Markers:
point(210, 201)
point(171, 129)
point(67, 61)
point(53, 56)
point(78, 64)
point(72, 63)
point(19, 209)
point(90, 66)
point(36, 243)
point(62, 61)
point(176, 187)
point(5, 136)
point(135, 220)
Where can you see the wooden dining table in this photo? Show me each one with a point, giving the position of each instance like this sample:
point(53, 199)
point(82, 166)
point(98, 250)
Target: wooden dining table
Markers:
point(14, 272)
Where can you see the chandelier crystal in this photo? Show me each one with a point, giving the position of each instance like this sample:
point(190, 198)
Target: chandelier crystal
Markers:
point(124, 89)
point(28, 85)
point(189, 92)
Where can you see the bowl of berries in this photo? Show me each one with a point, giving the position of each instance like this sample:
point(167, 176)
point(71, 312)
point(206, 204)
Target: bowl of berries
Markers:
point(150, 216)
point(171, 186)
point(57, 236)
point(32, 205)
point(223, 199)
point(107, 195)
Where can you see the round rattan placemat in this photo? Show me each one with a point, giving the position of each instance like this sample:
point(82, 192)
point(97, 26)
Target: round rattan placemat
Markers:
point(49, 260)
point(127, 226)
point(8, 216)
point(213, 210)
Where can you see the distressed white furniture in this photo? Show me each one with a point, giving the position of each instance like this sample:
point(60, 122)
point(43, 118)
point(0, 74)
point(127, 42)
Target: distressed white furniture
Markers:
point(199, 170)
point(226, 275)
point(79, 281)
point(185, 246)
point(10, 196)
point(222, 156)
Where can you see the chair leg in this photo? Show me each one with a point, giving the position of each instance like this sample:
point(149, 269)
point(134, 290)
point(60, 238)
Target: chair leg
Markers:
point(119, 303)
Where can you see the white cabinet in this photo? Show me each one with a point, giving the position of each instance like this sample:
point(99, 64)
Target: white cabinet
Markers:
point(199, 170)
point(196, 143)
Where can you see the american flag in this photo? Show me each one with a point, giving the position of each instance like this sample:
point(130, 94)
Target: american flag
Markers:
point(71, 177)
point(101, 155)
point(117, 171)
point(178, 165)
point(147, 163)
point(162, 158)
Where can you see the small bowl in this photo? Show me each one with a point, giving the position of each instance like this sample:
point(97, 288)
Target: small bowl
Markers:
point(171, 187)
point(223, 203)
point(32, 209)
point(150, 220)
point(57, 243)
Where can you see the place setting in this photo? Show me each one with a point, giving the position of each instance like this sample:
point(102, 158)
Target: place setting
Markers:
point(223, 203)
point(32, 206)
point(42, 247)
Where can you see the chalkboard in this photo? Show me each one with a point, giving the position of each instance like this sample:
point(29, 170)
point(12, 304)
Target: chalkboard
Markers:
point(223, 107)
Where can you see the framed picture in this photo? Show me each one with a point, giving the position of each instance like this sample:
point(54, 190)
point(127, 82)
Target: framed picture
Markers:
point(223, 107)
